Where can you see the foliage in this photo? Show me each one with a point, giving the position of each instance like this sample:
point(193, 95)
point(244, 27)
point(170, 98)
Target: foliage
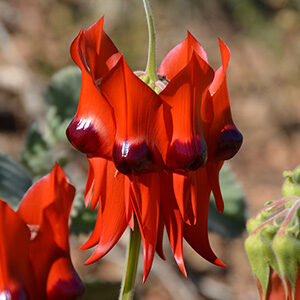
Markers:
point(14, 181)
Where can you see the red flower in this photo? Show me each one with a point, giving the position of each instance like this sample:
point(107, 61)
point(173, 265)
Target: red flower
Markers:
point(153, 155)
point(39, 266)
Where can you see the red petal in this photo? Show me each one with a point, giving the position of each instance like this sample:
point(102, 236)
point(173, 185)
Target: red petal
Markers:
point(95, 236)
point(63, 282)
point(182, 195)
point(99, 166)
point(94, 51)
point(55, 193)
point(101, 53)
point(128, 202)
point(185, 94)
point(180, 55)
point(213, 170)
point(224, 138)
point(113, 220)
point(92, 129)
point(149, 191)
point(140, 133)
point(197, 235)
point(97, 175)
point(160, 236)
point(47, 204)
point(16, 275)
point(172, 219)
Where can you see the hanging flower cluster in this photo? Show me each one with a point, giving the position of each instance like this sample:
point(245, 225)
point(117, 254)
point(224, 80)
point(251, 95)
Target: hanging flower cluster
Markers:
point(35, 260)
point(155, 148)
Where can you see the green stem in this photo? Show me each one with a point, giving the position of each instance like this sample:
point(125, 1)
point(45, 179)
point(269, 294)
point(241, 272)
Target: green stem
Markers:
point(151, 63)
point(132, 259)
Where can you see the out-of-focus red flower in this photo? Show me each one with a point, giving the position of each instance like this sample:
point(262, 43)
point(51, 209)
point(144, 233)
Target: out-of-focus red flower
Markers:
point(154, 153)
point(35, 255)
point(276, 288)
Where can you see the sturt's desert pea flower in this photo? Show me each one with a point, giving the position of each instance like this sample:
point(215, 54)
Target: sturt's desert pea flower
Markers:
point(35, 260)
point(155, 144)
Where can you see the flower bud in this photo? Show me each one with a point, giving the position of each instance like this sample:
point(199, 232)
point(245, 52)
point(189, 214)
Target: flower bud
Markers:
point(273, 248)
point(287, 251)
point(291, 186)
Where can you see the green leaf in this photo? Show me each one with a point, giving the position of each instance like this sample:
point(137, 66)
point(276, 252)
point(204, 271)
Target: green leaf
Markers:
point(36, 155)
point(233, 221)
point(63, 92)
point(14, 181)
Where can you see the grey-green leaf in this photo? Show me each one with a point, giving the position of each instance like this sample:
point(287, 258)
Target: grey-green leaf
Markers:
point(14, 181)
point(36, 155)
point(63, 92)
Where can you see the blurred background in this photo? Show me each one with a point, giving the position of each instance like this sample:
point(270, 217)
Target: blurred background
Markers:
point(264, 85)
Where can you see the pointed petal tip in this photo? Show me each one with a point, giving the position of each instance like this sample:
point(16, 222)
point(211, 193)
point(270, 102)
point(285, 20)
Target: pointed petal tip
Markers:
point(95, 256)
point(219, 263)
point(180, 262)
point(86, 245)
point(183, 270)
point(220, 208)
point(145, 276)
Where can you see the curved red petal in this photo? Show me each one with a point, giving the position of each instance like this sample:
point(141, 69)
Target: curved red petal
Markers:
point(185, 94)
point(182, 194)
point(63, 282)
point(16, 277)
point(45, 239)
point(76, 51)
point(160, 236)
point(180, 55)
point(128, 195)
point(101, 53)
point(99, 166)
point(97, 175)
point(140, 132)
point(113, 220)
point(52, 197)
point(92, 130)
point(48, 204)
point(149, 190)
point(89, 187)
point(197, 235)
point(213, 170)
point(224, 139)
point(172, 219)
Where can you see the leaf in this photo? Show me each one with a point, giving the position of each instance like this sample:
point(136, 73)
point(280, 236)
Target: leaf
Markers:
point(36, 155)
point(14, 181)
point(233, 221)
point(63, 92)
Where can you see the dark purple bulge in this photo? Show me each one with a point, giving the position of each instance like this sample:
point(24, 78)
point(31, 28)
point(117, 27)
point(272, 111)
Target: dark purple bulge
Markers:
point(229, 143)
point(131, 158)
point(83, 135)
point(184, 156)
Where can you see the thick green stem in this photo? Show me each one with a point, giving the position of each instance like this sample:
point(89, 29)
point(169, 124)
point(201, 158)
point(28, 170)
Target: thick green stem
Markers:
point(151, 63)
point(132, 258)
